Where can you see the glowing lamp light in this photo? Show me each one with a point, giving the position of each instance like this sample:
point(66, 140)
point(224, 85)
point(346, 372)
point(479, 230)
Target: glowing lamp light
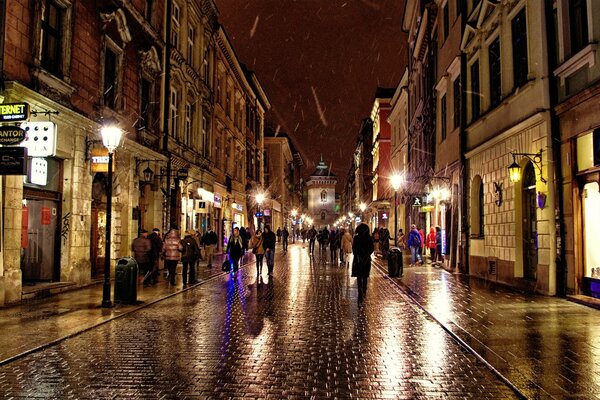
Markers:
point(111, 137)
point(363, 207)
point(148, 174)
point(260, 198)
point(514, 172)
point(396, 181)
point(294, 212)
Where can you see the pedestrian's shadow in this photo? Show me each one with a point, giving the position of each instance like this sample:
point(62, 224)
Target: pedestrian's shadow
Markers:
point(260, 304)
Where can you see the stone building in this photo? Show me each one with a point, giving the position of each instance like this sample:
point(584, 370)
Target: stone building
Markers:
point(321, 199)
point(576, 68)
point(362, 169)
point(77, 65)
point(512, 235)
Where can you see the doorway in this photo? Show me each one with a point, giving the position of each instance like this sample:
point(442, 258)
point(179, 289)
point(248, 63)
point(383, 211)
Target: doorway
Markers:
point(98, 226)
point(530, 242)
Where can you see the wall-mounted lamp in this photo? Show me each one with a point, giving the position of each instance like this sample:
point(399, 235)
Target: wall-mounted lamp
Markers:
point(147, 173)
point(514, 169)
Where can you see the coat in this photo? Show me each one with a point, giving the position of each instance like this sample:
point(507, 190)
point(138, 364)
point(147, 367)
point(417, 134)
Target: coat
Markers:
point(269, 240)
point(190, 251)
point(157, 246)
point(347, 243)
point(235, 247)
point(172, 246)
point(431, 239)
point(414, 238)
point(209, 238)
point(142, 250)
point(362, 248)
point(257, 243)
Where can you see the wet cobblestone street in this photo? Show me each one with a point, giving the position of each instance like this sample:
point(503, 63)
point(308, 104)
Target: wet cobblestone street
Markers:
point(301, 334)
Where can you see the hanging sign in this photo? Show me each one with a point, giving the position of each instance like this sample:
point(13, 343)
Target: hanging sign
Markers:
point(11, 135)
point(40, 138)
point(13, 161)
point(217, 202)
point(99, 157)
point(14, 112)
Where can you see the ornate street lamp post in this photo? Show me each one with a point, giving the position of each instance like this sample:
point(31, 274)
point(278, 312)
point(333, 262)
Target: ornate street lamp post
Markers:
point(111, 137)
point(260, 197)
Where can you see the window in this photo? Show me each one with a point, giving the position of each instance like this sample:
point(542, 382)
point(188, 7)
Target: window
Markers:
point(190, 46)
point(456, 94)
point(218, 92)
point(446, 20)
point(324, 196)
point(175, 25)
point(204, 136)
point(495, 72)
point(51, 37)
point(218, 151)
point(475, 90)
point(578, 25)
point(189, 123)
point(228, 107)
point(520, 58)
point(173, 112)
point(148, 9)
point(443, 116)
point(110, 78)
point(205, 65)
point(146, 104)
point(477, 207)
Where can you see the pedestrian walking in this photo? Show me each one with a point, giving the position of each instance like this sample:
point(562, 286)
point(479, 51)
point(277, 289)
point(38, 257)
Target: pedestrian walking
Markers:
point(142, 249)
point(278, 235)
point(311, 235)
point(346, 246)
point(422, 244)
point(284, 237)
point(384, 242)
point(155, 254)
point(244, 236)
point(439, 255)
point(430, 240)
point(235, 249)
point(362, 248)
point(209, 241)
point(375, 238)
point(172, 252)
point(258, 249)
point(323, 238)
point(414, 243)
point(334, 245)
point(269, 241)
point(189, 256)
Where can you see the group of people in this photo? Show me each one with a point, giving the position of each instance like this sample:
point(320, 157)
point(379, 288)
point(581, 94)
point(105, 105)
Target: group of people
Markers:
point(417, 241)
point(282, 236)
point(338, 240)
point(149, 249)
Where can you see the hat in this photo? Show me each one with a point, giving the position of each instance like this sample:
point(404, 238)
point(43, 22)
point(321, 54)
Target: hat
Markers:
point(190, 232)
point(143, 231)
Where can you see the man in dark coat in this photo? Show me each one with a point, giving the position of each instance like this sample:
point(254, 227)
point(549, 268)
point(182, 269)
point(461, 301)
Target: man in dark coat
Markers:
point(334, 244)
point(157, 246)
point(189, 255)
point(284, 237)
point(311, 235)
point(142, 249)
point(209, 240)
point(269, 241)
point(244, 237)
point(362, 248)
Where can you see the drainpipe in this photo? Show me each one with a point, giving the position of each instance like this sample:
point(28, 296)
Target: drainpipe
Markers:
point(465, 228)
point(167, 99)
point(561, 267)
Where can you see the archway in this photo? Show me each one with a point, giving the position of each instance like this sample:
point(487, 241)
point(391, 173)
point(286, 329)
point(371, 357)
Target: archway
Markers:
point(529, 210)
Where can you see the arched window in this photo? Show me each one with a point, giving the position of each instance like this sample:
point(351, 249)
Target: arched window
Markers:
point(323, 215)
point(324, 196)
point(477, 207)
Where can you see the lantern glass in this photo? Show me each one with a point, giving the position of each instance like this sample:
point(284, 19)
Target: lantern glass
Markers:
point(396, 181)
point(111, 137)
point(148, 174)
point(260, 197)
point(514, 172)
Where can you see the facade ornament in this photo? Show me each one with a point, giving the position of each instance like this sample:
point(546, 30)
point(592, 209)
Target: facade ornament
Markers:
point(150, 61)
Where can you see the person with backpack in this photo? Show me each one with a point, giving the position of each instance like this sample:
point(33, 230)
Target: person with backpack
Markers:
point(209, 241)
point(235, 249)
point(258, 249)
point(189, 255)
point(172, 252)
point(414, 243)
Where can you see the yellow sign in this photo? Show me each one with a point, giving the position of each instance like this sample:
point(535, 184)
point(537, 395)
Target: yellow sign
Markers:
point(14, 112)
point(99, 158)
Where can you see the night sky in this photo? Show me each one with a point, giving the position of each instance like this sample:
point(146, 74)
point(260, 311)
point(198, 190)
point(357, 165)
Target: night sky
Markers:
point(319, 62)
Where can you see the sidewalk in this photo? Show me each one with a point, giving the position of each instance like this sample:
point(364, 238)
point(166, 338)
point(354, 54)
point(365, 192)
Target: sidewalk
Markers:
point(547, 347)
point(38, 323)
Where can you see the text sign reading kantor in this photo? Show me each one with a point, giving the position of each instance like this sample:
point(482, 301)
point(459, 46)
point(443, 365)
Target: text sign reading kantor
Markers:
point(14, 112)
point(10, 135)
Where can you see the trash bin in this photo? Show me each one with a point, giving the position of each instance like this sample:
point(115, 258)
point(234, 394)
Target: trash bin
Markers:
point(126, 272)
point(395, 262)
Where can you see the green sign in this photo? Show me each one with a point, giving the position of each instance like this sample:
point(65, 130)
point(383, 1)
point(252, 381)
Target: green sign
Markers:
point(14, 112)
point(11, 135)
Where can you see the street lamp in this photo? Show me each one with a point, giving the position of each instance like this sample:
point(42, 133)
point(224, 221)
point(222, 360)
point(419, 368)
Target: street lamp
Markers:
point(111, 137)
point(396, 181)
point(259, 197)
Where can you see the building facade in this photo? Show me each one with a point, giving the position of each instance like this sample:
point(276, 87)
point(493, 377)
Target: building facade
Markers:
point(321, 199)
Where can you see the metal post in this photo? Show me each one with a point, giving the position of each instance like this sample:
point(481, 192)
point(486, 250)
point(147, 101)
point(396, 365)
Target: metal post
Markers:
point(106, 302)
point(395, 218)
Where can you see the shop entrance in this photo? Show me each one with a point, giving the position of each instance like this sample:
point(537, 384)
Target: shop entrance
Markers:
point(530, 245)
point(40, 237)
point(98, 226)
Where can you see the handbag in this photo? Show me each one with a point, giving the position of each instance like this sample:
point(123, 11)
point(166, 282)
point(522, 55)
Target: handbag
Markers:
point(226, 266)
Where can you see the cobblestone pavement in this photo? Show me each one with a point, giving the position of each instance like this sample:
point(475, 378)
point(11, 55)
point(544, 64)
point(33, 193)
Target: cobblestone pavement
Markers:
point(548, 347)
point(33, 324)
point(300, 334)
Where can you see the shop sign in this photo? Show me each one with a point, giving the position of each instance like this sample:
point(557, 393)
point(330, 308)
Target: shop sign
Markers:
point(38, 171)
point(99, 158)
point(237, 207)
point(13, 161)
point(267, 212)
point(40, 138)
point(384, 215)
point(11, 135)
point(202, 207)
point(14, 112)
point(217, 200)
point(417, 202)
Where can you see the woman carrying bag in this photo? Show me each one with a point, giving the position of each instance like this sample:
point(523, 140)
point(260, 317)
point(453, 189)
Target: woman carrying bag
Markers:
point(256, 244)
point(362, 247)
point(235, 249)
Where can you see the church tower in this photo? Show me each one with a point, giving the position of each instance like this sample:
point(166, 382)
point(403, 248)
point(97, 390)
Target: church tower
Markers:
point(321, 196)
